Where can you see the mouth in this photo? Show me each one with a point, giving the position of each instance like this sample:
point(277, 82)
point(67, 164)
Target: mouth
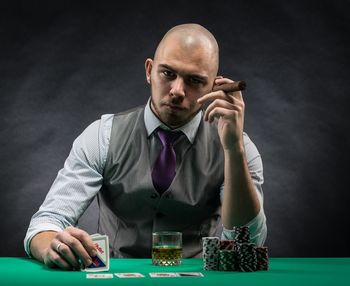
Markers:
point(174, 107)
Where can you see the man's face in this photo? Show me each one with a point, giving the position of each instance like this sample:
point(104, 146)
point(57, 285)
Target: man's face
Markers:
point(178, 77)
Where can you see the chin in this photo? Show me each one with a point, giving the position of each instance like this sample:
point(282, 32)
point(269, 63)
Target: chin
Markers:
point(173, 121)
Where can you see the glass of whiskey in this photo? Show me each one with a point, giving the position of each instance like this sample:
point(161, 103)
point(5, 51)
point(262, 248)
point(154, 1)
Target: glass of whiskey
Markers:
point(166, 248)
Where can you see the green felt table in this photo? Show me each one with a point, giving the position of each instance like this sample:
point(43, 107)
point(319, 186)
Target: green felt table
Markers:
point(282, 272)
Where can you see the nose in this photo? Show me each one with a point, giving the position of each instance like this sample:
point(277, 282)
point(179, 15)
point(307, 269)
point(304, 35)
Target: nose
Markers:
point(178, 87)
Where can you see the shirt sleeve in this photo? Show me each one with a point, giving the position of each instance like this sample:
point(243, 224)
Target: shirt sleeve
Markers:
point(257, 226)
point(76, 183)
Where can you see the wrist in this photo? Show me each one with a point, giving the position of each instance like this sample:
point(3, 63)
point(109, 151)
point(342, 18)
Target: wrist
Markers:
point(235, 150)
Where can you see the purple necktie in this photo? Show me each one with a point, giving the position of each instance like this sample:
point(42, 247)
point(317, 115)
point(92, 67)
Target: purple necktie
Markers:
point(163, 171)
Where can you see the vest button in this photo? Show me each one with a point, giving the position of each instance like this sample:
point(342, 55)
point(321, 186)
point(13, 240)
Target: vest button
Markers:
point(154, 196)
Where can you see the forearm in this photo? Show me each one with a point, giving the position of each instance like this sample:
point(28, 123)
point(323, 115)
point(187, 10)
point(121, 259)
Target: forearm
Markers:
point(240, 203)
point(257, 229)
point(40, 243)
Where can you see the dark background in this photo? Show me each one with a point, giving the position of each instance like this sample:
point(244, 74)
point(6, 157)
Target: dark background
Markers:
point(65, 63)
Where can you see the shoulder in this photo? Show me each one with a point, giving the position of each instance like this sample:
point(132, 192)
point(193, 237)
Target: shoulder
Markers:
point(102, 126)
point(98, 127)
point(125, 120)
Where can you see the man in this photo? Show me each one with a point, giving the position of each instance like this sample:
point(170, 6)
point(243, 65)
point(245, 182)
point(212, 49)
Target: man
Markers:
point(218, 170)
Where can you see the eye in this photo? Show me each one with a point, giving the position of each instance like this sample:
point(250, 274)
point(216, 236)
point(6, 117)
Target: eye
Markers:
point(169, 73)
point(195, 81)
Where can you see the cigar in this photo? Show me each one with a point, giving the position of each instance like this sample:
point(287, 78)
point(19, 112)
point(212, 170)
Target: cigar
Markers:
point(231, 87)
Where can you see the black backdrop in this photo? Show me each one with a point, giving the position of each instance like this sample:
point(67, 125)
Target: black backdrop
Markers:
point(64, 63)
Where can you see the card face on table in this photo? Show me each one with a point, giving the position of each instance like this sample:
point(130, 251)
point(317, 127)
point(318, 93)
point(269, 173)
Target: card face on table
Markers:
point(101, 261)
point(129, 275)
point(99, 276)
point(176, 274)
point(190, 274)
point(162, 274)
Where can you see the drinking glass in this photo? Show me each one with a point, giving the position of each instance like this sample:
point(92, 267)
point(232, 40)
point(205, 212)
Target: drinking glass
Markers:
point(166, 248)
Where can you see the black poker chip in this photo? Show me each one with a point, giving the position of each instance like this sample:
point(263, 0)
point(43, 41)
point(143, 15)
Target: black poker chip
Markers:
point(241, 234)
point(227, 260)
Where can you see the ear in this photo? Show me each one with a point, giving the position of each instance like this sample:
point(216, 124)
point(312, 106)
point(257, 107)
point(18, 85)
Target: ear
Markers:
point(148, 69)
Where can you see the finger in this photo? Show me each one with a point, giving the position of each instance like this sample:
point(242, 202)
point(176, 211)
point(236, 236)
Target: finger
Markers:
point(227, 98)
point(214, 95)
point(232, 110)
point(217, 103)
point(219, 82)
point(68, 255)
point(54, 259)
point(236, 94)
point(217, 78)
point(72, 249)
point(222, 112)
point(222, 80)
point(85, 239)
point(63, 250)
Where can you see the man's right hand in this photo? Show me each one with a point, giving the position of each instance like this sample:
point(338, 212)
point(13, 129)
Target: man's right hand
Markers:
point(69, 249)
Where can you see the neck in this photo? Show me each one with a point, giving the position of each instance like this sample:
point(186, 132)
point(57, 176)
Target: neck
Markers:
point(153, 109)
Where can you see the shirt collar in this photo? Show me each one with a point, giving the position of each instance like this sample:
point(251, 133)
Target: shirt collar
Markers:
point(152, 122)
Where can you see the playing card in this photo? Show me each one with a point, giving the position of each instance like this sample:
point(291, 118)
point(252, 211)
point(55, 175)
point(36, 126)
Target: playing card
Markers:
point(101, 261)
point(176, 274)
point(129, 275)
point(99, 276)
point(162, 274)
point(190, 274)
point(95, 235)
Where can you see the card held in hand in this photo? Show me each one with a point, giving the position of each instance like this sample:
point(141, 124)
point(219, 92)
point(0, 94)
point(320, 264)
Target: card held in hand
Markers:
point(101, 261)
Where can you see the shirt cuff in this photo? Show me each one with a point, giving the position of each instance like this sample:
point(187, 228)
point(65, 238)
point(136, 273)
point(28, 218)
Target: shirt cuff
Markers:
point(35, 230)
point(257, 229)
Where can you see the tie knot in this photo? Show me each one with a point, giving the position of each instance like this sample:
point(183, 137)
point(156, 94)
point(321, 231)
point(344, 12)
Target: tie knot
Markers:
point(167, 137)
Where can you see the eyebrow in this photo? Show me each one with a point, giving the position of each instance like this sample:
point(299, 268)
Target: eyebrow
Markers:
point(198, 76)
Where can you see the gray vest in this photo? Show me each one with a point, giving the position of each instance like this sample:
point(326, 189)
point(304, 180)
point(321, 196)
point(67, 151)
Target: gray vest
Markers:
point(130, 207)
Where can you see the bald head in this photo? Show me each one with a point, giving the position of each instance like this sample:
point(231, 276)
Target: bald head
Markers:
point(191, 38)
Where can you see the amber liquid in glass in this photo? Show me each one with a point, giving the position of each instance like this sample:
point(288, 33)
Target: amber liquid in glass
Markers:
point(166, 255)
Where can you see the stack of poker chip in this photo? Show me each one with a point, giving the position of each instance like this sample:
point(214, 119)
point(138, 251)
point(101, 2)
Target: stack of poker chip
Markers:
point(211, 253)
point(238, 254)
point(227, 255)
point(262, 258)
point(241, 234)
point(246, 257)
point(227, 260)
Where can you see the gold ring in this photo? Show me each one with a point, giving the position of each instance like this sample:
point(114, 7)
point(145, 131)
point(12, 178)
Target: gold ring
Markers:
point(58, 247)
